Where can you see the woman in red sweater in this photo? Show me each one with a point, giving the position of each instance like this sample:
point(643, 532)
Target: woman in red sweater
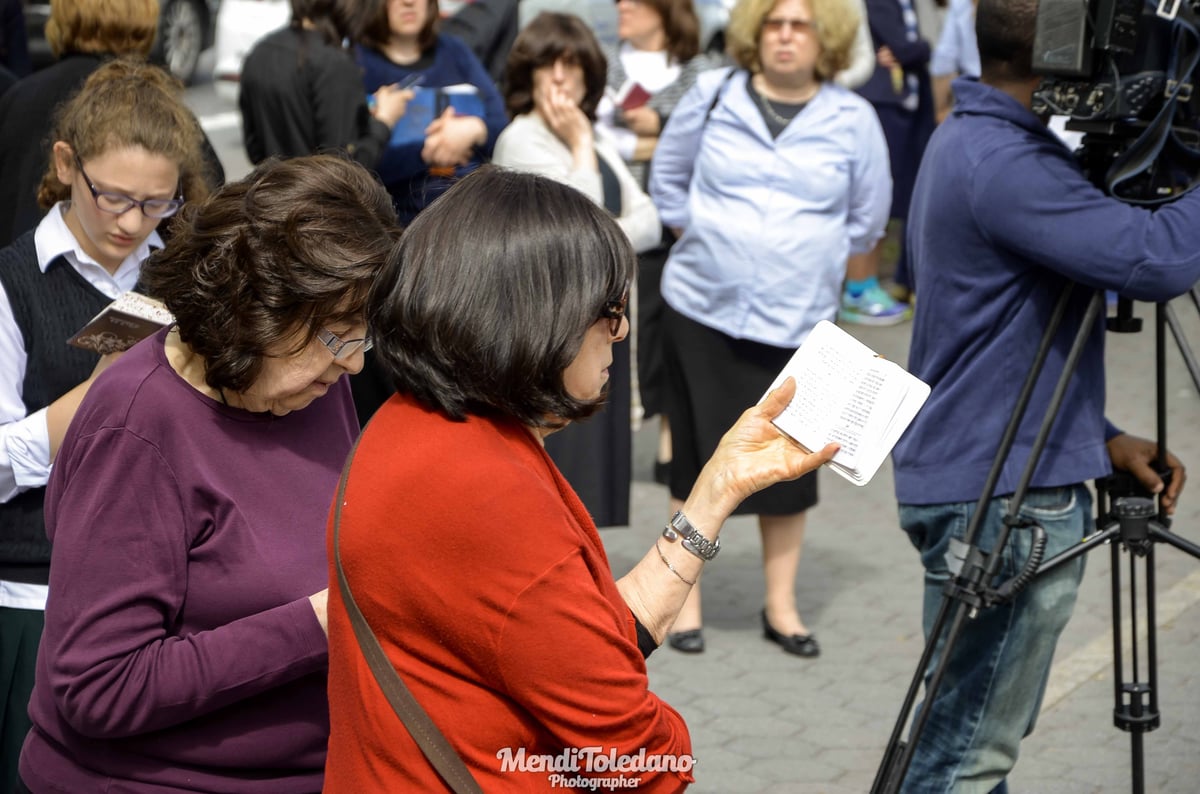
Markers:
point(468, 553)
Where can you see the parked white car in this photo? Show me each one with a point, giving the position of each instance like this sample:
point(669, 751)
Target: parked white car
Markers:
point(240, 24)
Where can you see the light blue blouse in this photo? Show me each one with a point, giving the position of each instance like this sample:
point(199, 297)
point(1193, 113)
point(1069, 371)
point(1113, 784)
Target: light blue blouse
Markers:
point(957, 51)
point(767, 222)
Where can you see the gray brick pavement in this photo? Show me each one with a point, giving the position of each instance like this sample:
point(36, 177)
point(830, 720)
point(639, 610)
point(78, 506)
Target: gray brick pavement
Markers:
point(763, 722)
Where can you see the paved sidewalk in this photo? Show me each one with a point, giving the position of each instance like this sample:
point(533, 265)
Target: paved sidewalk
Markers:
point(762, 721)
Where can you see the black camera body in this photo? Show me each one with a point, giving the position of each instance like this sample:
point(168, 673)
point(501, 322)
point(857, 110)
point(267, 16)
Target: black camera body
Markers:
point(1122, 71)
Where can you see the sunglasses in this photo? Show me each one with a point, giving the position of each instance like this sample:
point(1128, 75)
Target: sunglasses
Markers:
point(614, 312)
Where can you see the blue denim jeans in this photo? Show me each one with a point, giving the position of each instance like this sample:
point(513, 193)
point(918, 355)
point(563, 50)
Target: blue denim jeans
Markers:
point(992, 689)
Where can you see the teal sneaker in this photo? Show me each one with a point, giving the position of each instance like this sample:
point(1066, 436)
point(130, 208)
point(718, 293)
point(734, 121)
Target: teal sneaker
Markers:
point(873, 307)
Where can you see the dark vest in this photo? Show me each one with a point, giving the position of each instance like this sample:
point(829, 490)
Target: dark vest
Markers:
point(49, 308)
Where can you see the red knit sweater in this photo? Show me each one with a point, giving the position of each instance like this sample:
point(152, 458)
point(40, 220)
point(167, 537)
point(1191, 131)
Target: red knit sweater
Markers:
point(488, 586)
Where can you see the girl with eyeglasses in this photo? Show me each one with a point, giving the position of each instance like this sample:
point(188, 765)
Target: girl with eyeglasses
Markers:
point(141, 148)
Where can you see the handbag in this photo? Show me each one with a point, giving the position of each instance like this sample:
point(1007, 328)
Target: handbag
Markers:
point(425, 733)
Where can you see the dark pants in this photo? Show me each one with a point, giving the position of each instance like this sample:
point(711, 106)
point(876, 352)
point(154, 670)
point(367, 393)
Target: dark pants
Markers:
point(20, 631)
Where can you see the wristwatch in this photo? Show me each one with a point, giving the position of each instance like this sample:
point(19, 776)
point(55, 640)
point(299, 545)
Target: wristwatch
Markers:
point(682, 530)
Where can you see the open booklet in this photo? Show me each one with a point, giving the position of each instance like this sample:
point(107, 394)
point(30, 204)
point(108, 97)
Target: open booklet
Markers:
point(122, 324)
point(848, 394)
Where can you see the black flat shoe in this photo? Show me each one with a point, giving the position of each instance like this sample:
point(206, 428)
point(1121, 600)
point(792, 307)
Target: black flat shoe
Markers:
point(690, 641)
point(798, 644)
point(662, 472)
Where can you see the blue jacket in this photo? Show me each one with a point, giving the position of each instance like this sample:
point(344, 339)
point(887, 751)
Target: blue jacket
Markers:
point(886, 21)
point(1002, 219)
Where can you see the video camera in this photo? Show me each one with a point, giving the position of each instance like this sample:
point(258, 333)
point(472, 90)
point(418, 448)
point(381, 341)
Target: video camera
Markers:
point(1124, 72)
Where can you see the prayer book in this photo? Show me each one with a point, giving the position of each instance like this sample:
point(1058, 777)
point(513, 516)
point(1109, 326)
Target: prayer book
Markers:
point(846, 393)
point(632, 95)
point(121, 324)
point(428, 104)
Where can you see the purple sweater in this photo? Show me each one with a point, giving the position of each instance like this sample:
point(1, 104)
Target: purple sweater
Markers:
point(180, 649)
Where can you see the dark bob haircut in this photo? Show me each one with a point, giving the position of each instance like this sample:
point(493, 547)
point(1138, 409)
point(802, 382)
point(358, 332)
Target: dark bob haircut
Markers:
point(547, 38)
point(293, 246)
point(377, 29)
point(485, 301)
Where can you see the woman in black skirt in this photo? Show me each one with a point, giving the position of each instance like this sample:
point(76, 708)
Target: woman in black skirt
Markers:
point(773, 176)
point(555, 79)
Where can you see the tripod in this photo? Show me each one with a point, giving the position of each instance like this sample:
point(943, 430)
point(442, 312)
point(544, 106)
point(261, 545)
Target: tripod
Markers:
point(1127, 518)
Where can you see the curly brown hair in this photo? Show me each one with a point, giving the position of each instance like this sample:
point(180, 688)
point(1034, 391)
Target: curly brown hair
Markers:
point(834, 21)
point(102, 27)
point(295, 245)
point(128, 102)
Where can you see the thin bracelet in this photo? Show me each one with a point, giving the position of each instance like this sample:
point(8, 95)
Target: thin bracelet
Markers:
point(671, 567)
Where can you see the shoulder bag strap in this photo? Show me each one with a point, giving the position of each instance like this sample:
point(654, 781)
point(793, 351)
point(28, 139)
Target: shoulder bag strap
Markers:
point(720, 92)
point(424, 732)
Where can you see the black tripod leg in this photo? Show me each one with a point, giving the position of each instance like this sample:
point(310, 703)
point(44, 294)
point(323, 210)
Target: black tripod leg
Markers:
point(1183, 544)
point(1185, 350)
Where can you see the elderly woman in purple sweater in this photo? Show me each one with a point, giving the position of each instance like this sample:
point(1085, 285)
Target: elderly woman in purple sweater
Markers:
point(185, 646)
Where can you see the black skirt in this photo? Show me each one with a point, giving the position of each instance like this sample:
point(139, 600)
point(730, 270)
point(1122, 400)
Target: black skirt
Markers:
point(711, 379)
point(651, 373)
point(596, 454)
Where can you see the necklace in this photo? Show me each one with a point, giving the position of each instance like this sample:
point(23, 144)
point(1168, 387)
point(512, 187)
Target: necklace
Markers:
point(765, 104)
point(774, 115)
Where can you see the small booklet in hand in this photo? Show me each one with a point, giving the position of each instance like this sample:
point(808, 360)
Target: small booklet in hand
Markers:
point(121, 324)
point(848, 394)
point(632, 96)
point(428, 104)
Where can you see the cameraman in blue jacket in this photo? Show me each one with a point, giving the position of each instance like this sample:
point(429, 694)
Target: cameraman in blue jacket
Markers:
point(1002, 219)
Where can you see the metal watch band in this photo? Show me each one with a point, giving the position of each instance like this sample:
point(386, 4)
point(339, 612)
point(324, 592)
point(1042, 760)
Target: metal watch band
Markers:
point(680, 529)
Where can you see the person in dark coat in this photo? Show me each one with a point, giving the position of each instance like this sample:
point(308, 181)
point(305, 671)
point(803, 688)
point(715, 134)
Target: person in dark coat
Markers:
point(82, 35)
point(302, 92)
point(901, 92)
point(14, 44)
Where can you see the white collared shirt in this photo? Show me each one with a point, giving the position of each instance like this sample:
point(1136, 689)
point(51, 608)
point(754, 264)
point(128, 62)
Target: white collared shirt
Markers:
point(25, 439)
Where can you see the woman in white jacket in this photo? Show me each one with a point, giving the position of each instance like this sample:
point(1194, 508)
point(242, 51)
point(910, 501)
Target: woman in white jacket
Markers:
point(556, 77)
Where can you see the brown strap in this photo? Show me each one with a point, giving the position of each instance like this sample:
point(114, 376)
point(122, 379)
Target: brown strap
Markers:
point(424, 732)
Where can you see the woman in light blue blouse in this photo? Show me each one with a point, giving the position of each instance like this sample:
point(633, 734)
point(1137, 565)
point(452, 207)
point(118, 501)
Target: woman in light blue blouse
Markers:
point(772, 176)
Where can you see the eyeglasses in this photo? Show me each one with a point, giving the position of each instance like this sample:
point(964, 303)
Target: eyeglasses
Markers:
point(119, 203)
point(775, 25)
point(614, 312)
point(342, 349)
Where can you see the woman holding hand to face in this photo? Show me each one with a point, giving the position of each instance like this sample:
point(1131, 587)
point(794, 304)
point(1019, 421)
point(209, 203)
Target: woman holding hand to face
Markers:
point(555, 80)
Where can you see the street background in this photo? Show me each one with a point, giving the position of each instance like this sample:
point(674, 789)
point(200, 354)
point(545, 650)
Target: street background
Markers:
point(763, 721)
